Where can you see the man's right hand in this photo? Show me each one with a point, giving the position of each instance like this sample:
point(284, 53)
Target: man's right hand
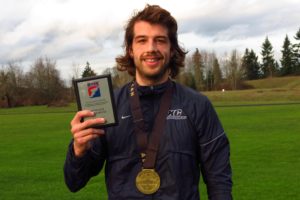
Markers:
point(81, 132)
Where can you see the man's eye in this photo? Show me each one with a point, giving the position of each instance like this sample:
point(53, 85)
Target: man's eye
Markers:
point(141, 41)
point(161, 40)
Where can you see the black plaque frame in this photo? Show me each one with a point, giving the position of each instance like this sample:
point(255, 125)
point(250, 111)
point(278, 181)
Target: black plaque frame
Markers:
point(78, 83)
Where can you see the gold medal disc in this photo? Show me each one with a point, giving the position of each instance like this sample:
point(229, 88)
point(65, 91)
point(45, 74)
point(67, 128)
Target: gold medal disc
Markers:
point(147, 181)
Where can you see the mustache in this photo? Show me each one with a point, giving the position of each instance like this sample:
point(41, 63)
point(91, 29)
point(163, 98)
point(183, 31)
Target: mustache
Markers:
point(155, 54)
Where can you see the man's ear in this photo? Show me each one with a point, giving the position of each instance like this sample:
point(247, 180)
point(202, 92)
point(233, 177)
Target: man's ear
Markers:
point(130, 52)
point(172, 53)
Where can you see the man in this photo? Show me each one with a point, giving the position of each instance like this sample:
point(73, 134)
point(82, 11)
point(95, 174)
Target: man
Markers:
point(167, 133)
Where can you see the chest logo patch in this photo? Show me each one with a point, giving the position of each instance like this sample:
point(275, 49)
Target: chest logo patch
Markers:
point(176, 114)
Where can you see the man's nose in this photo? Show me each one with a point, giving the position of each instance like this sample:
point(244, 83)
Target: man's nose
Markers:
point(151, 46)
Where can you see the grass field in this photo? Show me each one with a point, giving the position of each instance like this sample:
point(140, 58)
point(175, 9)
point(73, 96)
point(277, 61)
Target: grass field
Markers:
point(264, 91)
point(287, 82)
point(264, 141)
point(265, 150)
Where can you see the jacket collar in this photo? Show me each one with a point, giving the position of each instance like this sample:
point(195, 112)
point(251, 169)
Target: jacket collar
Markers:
point(152, 90)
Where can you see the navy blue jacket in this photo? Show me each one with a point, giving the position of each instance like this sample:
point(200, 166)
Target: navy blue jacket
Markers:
point(193, 141)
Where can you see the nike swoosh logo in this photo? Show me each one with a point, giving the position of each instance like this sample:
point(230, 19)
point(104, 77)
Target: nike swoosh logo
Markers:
point(124, 117)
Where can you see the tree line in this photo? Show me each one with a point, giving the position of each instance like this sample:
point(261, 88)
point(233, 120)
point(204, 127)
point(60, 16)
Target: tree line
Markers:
point(203, 71)
point(41, 85)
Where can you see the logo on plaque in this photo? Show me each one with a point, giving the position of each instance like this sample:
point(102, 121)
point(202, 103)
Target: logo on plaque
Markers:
point(93, 89)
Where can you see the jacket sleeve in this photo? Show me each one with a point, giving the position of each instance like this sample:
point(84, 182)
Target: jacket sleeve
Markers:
point(214, 152)
point(78, 171)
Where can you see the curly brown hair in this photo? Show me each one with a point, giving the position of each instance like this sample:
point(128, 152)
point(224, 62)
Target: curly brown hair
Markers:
point(153, 14)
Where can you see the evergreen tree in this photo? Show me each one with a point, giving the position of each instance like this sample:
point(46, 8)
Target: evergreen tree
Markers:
point(88, 72)
point(245, 60)
point(217, 74)
point(245, 64)
point(187, 79)
point(296, 52)
point(198, 70)
point(250, 65)
point(287, 62)
point(268, 62)
point(209, 80)
point(254, 72)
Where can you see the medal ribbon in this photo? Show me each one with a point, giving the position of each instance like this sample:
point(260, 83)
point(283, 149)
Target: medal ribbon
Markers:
point(150, 148)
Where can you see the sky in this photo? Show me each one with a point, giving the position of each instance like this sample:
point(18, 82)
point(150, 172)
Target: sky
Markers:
point(72, 32)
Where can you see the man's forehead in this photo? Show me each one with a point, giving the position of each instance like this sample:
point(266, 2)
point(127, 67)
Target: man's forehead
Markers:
point(143, 28)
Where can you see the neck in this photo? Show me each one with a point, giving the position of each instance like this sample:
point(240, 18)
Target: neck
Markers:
point(151, 82)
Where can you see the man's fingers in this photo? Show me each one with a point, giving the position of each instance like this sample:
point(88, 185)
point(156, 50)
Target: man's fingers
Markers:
point(86, 124)
point(82, 141)
point(80, 114)
point(82, 131)
point(81, 144)
point(86, 132)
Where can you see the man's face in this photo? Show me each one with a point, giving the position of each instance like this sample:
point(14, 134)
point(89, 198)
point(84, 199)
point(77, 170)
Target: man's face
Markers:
point(151, 52)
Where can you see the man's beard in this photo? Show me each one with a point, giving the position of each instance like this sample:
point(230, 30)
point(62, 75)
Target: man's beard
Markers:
point(157, 76)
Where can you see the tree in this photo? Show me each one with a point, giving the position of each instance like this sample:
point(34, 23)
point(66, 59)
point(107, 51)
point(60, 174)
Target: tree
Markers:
point(119, 78)
point(233, 63)
point(186, 73)
point(245, 62)
point(88, 72)
point(44, 81)
point(75, 71)
point(11, 78)
point(296, 52)
point(217, 74)
point(234, 70)
point(250, 65)
point(287, 61)
point(268, 62)
point(4, 88)
point(207, 62)
point(198, 70)
point(188, 65)
point(209, 80)
point(186, 78)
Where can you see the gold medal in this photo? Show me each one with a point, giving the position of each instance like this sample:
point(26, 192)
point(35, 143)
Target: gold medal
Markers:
point(147, 181)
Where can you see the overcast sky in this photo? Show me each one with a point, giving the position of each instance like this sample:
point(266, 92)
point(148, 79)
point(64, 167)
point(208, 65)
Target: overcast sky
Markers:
point(72, 32)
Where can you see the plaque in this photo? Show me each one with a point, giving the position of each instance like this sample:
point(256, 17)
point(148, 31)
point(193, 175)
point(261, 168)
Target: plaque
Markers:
point(147, 181)
point(96, 94)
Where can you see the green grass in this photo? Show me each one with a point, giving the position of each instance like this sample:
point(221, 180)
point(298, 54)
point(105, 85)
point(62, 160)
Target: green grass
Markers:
point(264, 150)
point(33, 148)
point(264, 91)
point(288, 82)
point(264, 142)
point(255, 96)
point(39, 109)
